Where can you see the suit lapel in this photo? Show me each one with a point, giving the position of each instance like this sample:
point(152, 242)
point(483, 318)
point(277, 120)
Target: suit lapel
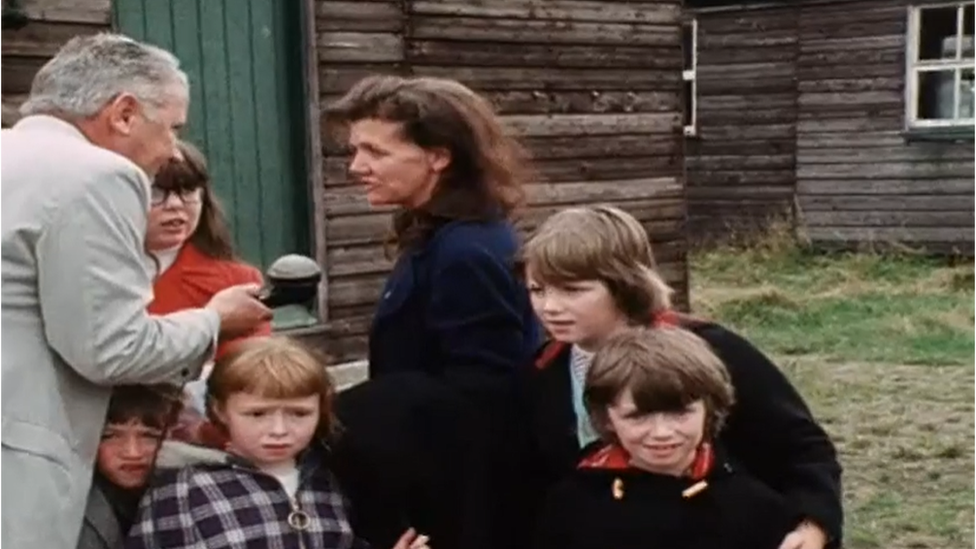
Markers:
point(99, 515)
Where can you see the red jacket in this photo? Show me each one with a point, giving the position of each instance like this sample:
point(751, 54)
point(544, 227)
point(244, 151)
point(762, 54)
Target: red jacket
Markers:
point(194, 278)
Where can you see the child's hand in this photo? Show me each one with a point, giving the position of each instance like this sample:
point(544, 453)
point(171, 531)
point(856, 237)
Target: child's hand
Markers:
point(411, 540)
point(806, 536)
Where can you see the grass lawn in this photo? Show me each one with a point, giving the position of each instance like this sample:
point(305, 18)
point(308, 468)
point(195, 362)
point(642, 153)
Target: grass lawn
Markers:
point(882, 347)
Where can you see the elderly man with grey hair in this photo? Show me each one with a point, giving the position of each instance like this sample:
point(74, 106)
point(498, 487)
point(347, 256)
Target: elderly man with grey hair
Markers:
point(100, 120)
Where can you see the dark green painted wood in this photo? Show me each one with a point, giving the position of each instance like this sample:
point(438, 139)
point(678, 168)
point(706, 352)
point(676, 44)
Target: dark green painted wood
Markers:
point(243, 60)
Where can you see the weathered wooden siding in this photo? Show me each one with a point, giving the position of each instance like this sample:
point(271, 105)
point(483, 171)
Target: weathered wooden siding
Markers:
point(740, 165)
point(591, 87)
point(802, 114)
point(859, 182)
point(355, 38)
point(50, 24)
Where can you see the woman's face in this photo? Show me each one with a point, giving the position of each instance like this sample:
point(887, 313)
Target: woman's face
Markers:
point(173, 217)
point(393, 170)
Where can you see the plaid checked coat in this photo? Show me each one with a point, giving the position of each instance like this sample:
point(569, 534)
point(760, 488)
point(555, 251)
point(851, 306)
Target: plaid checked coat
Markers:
point(232, 505)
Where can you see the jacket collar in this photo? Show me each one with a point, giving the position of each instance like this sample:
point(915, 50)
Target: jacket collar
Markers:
point(100, 516)
point(308, 462)
point(175, 454)
point(613, 457)
point(48, 123)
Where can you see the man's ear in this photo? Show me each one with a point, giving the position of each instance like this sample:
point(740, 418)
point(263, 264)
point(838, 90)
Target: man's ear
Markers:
point(122, 112)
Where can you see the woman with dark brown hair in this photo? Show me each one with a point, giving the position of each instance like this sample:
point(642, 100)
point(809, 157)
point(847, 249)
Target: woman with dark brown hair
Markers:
point(454, 325)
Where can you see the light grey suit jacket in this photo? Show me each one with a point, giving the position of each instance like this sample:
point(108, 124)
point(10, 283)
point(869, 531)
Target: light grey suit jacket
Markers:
point(75, 290)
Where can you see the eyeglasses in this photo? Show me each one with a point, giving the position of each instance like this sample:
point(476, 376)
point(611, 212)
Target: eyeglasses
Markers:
point(187, 196)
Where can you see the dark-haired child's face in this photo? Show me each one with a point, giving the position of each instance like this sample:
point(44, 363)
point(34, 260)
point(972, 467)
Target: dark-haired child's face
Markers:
point(581, 312)
point(659, 442)
point(173, 217)
point(126, 451)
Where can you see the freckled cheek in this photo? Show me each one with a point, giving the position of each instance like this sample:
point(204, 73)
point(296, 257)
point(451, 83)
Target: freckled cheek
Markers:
point(577, 306)
point(537, 303)
point(246, 430)
point(632, 435)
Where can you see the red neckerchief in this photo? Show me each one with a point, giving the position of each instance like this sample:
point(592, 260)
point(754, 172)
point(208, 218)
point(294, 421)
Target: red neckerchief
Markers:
point(614, 458)
point(554, 348)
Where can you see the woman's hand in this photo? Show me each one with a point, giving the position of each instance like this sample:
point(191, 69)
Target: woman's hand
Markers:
point(806, 536)
point(411, 540)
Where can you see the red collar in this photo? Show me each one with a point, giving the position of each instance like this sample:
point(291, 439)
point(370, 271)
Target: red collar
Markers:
point(614, 458)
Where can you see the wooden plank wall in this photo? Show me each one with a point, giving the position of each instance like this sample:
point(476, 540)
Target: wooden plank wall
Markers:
point(591, 87)
point(858, 181)
point(355, 38)
point(51, 23)
point(740, 165)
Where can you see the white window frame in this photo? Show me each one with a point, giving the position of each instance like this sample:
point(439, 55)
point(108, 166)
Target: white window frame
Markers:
point(690, 75)
point(914, 67)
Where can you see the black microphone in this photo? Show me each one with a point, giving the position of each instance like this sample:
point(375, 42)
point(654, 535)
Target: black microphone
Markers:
point(291, 280)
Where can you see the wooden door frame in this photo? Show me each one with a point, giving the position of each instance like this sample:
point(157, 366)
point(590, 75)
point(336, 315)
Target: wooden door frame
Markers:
point(312, 145)
point(313, 152)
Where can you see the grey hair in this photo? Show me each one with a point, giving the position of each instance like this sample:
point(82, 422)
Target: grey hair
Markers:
point(89, 71)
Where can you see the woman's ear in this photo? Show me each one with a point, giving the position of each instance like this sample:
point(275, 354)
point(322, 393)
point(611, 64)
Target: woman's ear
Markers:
point(439, 159)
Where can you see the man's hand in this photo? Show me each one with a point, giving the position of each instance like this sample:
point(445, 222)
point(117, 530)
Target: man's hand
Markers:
point(410, 540)
point(806, 536)
point(239, 309)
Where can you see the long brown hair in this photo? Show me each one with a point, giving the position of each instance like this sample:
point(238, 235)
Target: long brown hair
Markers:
point(488, 167)
point(212, 236)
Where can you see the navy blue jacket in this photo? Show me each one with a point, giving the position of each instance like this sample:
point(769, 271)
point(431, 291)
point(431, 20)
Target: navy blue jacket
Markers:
point(455, 308)
point(434, 439)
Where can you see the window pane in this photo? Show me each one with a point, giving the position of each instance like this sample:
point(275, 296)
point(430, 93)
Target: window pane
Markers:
point(937, 33)
point(688, 95)
point(966, 94)
point(688, 44)
point(967, 31)
point(936, 94)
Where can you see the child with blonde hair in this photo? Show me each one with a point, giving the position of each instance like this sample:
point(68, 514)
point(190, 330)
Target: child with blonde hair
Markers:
point(272, 398)
point(658, 398)
point(591, 274)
